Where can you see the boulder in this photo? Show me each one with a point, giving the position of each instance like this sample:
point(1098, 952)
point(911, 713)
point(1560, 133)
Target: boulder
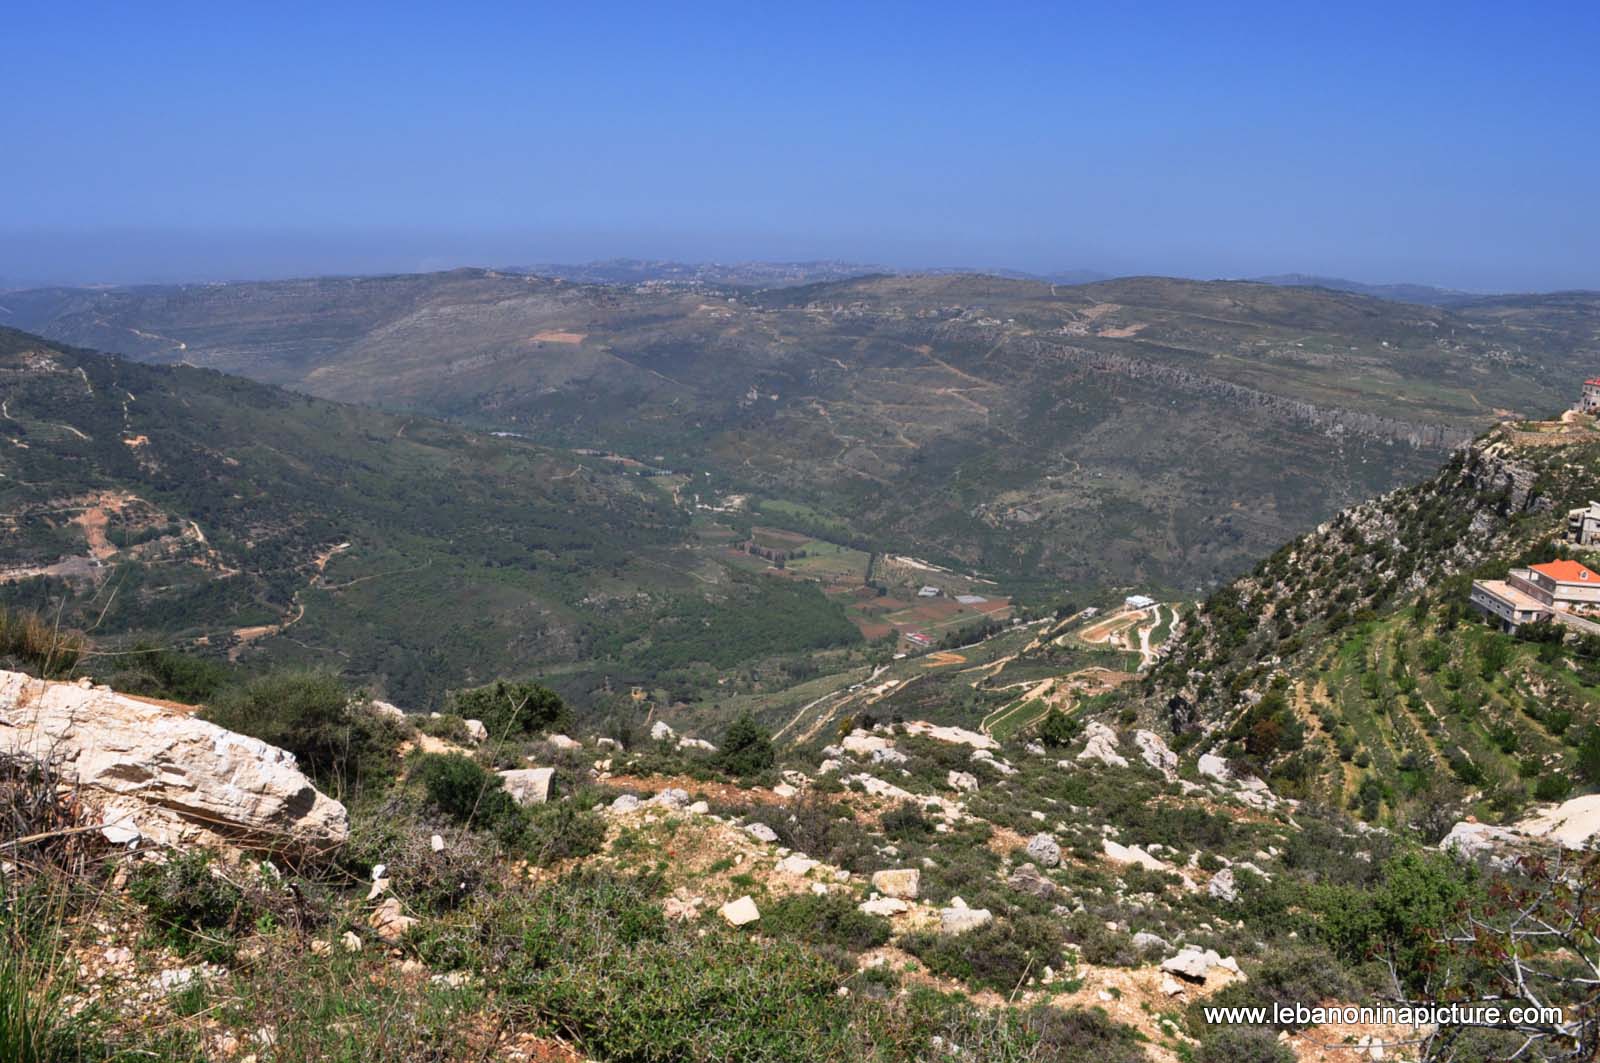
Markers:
point(390, 921)
point(1131, 854)
point(1030, 880)
point(1222, 886)
point(1156, 753)
point(672, 797)
point(1571, 824)
point(154, 771)
point(889, 756)
point(902, 883)
point(1501, 846)
point(785, 791)
point(797, 864)
point(383, 708)
point(476, 730)
point(1194, 963)
point(884, 906)
point(1044, 850)
point(1145, 941)
point(661, 732)
point(563, 743)
point(740, 912)
point(864, 743)
point(761, 832)
point(1251, 790)
point(958, 918)
point(529, 786)
point(625, 803)
point(961, 780)
point(696, 743)
point(1102, 746)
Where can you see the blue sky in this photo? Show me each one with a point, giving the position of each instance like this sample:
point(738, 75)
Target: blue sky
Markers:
point(1454, 144)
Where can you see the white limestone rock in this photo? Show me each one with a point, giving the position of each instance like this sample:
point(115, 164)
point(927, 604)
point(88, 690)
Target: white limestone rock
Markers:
point(1101, 745)
point(740, 912)
point(1154, 751)
point(528, 786)
point(156, 772)
point(901, 883)
point(1044, 850)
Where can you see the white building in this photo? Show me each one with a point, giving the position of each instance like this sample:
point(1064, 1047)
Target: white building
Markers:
point(1555, 590)
point(1138, 601)
point(1589, 401)
point(1583, 525)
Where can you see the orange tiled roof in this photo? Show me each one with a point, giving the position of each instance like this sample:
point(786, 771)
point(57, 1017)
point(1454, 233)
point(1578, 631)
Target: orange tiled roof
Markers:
point(1567, 572)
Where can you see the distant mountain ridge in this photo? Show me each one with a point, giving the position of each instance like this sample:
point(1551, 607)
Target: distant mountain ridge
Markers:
point(767, 274)
point(1424, 294)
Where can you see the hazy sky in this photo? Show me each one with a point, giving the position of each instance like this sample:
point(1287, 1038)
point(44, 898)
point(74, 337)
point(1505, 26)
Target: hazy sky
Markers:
point(1454, 144)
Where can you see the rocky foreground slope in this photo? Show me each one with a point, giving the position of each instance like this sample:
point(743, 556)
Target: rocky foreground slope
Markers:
point(909, 892)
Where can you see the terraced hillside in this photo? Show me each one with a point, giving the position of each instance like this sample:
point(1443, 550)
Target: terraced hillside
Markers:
point(1145, 431)
point(1349, 666)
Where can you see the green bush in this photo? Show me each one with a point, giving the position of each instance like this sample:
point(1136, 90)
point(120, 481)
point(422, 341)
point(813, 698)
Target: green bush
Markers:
point(340, 744)
point(1553, 788)
point(512, 709)
point(999, 956)
point(1418, 895)
point(467, 793)
point(746, 748)
point(825, 920)
point(562, 831)
point(1242, 1044)
point(191, 908)
point(1057, 729)
point(593, 956)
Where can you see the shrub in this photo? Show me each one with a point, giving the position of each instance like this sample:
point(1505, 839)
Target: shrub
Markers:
point(1242, 1044)
point(1057, 729)
point(1417, 897)
point(191, 907)
point(825, 920)
point(1000, 956)
point(906, 822)
point(512, 709)
point(562, 831)
point(1553, 788)
point(593, 956)
point(746, 748)
point(468, 794)
point(339, 744)
point(158, 673)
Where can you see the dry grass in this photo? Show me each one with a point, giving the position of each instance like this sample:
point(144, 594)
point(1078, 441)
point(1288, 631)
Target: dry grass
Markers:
point(38, 643)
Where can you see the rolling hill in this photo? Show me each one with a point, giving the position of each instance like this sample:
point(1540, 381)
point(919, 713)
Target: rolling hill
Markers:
point(175, 506)
point(1139, 432)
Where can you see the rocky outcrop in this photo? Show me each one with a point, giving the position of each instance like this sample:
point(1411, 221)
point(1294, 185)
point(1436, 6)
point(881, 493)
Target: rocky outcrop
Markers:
point(1102, 746)
point(953, 735)
point(154, 771)
point(1154, 751)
